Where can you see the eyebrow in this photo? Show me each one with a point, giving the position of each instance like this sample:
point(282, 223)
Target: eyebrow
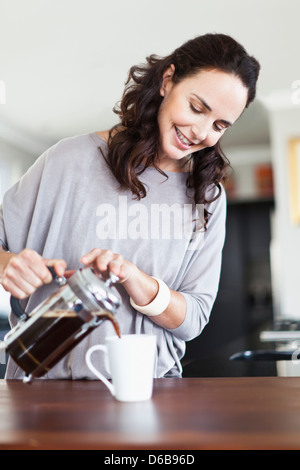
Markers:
point(229, 124)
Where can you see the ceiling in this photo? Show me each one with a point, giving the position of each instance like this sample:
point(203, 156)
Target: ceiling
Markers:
point(64, 62)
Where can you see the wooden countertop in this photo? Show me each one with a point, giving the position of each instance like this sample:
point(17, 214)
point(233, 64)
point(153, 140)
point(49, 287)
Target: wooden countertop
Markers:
point(188, 413)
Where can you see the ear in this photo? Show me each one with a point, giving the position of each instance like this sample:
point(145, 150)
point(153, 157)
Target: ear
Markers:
point(167, 78)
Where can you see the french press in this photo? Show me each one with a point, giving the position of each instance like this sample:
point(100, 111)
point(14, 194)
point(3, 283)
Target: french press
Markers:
point(44, 336)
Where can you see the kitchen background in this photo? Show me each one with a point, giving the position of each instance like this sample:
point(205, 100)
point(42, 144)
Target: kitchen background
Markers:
point(63, 64)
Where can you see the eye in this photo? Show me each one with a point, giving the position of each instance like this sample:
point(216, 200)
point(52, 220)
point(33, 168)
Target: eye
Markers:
point(195, 110)
point(219, 128)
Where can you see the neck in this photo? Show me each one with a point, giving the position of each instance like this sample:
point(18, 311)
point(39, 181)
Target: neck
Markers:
point(175, 166)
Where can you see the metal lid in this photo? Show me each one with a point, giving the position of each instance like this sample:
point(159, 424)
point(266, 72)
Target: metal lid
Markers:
point(95, 293)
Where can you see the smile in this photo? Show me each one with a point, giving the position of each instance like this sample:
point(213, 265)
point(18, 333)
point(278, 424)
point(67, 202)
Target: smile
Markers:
point(184, 141)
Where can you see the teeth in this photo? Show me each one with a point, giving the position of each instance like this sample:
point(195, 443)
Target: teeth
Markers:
point(183, 139)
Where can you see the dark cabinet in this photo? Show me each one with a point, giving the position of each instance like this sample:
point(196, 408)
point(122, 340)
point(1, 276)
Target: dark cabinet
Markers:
point(244, 300)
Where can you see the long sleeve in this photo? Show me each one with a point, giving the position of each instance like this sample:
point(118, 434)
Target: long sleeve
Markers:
point(69, 202)
point(201, 279)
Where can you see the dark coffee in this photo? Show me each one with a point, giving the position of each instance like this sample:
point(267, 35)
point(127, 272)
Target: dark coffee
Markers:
point(39, 348)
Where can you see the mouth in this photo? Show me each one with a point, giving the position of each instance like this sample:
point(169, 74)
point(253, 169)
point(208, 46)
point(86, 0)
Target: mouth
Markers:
point(183, 141)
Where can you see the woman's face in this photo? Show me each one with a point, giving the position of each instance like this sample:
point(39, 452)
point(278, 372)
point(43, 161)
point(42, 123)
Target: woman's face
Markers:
point(196, 112)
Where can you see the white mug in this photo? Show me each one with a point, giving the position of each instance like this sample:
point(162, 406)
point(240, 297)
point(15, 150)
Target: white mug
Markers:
point(131, 361)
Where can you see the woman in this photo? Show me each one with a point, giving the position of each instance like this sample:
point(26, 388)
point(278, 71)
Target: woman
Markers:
point(129, 200)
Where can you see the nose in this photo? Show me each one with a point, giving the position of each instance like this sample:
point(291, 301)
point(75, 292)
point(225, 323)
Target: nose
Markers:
point(200, 132)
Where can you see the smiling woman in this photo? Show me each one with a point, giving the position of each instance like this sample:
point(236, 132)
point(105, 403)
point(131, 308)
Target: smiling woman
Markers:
point(188, 118)
point(208, 81)
point(165, 153)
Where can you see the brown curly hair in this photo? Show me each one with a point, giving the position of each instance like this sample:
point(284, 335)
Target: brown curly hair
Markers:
point(135, 140)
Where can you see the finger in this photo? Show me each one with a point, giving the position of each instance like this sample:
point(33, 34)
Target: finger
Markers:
point(104, 259)
point(59, 266)
point(99, 259)
point(13, 289)
point(18, 288)
point(34, 263)
point(19, 272)
point(69, 274)
point(115, 267)
point(91, 256)
point(119, 269)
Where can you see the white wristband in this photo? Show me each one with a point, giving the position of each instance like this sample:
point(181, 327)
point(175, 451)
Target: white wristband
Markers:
point(159, 304)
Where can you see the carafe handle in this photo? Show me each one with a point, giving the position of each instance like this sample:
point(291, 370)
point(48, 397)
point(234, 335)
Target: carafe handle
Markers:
point(14, 302)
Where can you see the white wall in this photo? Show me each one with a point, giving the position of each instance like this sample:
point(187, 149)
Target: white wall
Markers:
point(64, 62)
point(17, 153)
point(13, 163)
point(284, 125)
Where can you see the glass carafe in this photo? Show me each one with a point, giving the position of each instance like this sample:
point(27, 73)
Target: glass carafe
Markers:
point(43, 337)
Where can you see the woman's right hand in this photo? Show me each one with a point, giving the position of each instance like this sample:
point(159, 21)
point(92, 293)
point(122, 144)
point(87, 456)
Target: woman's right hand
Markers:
point(27, 271)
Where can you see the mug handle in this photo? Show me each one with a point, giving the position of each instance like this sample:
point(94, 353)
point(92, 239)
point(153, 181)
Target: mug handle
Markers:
point(98, 347)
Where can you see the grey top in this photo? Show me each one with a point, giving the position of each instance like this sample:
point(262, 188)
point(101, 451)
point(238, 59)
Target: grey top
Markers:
point(69, 202)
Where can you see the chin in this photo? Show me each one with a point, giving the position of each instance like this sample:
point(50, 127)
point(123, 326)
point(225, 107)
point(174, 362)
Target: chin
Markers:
point(173, 152)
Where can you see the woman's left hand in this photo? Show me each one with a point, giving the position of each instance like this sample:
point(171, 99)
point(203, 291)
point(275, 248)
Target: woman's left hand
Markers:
point(105, 260)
